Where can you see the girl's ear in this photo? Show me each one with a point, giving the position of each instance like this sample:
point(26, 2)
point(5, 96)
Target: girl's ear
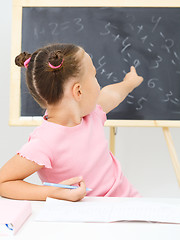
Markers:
point(77, 91)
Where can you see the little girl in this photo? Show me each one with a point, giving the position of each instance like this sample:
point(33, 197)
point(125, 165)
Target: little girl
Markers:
point(69, 147)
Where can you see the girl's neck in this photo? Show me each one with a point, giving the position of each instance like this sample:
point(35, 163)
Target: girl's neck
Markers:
point(64, 114)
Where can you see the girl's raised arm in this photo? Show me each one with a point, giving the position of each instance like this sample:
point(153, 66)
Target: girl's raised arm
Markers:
point(112, 95)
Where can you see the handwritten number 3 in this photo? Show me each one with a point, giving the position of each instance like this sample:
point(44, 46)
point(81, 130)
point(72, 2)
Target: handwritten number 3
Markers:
point(157, 62)
point(167, 96)
point(79, 24)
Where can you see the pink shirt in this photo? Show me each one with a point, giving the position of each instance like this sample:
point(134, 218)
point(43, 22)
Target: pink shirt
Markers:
point(82, 150)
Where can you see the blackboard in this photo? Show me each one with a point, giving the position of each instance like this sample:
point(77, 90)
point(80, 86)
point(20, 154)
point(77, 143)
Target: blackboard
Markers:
point(115, 38)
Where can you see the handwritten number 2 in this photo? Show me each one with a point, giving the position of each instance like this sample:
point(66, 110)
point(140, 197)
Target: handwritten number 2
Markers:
point(54, 28)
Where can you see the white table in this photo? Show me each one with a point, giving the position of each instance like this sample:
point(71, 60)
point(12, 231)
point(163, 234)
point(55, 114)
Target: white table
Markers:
point(119, 230)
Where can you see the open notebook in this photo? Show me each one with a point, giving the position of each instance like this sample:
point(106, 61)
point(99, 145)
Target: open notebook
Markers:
point(125, 209)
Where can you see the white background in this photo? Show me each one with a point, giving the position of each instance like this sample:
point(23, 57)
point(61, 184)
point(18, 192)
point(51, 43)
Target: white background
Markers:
point(143, 152)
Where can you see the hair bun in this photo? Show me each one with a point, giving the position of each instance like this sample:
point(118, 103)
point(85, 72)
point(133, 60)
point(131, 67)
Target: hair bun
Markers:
point(21, 58)
point(55, 58)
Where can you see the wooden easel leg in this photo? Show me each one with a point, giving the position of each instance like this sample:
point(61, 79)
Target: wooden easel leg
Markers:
point(172, 152)
point(112, 139)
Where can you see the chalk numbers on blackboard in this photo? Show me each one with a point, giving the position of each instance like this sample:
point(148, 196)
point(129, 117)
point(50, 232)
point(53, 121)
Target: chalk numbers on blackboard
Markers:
point(103, 71)
point(143, 36)
point(126, 44)
point(156, 22)
point(169, 98)
point(152, 82)
point(139, 103)
point(56, 29)
point(157, 62)
point(108, 28)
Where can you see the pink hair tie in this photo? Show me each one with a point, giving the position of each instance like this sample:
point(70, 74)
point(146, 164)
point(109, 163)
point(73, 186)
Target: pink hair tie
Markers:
point(55, 67)
point(27, 62)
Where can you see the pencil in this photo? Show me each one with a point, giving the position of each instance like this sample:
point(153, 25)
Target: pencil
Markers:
point(63, 186)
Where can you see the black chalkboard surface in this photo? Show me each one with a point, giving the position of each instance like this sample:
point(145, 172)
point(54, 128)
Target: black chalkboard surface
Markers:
point(115, 38)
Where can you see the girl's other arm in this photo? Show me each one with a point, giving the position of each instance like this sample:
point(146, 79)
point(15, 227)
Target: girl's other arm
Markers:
point(112, 95)
point(12, 184)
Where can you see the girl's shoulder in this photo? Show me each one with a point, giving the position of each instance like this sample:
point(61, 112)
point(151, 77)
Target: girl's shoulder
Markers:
point(98, 112)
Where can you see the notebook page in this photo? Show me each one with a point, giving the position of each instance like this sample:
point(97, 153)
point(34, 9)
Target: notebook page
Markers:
point(102, 211)
point(64, 211)
point(149, 211)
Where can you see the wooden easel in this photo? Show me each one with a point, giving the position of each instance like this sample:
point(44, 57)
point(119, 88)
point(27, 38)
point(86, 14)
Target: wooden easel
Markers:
point(165, 127)
point(172, 152)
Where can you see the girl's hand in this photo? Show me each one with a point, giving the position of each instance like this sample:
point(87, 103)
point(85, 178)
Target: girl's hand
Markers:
point(132, 79)
point(69, 194)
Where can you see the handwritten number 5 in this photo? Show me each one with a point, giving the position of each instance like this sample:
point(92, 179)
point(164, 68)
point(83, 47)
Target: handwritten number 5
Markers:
point(107, 28)
point(140, 101)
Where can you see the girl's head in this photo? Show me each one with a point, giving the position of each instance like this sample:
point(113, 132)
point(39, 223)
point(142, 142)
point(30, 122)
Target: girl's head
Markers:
point(51, 68)
point(48, 70)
